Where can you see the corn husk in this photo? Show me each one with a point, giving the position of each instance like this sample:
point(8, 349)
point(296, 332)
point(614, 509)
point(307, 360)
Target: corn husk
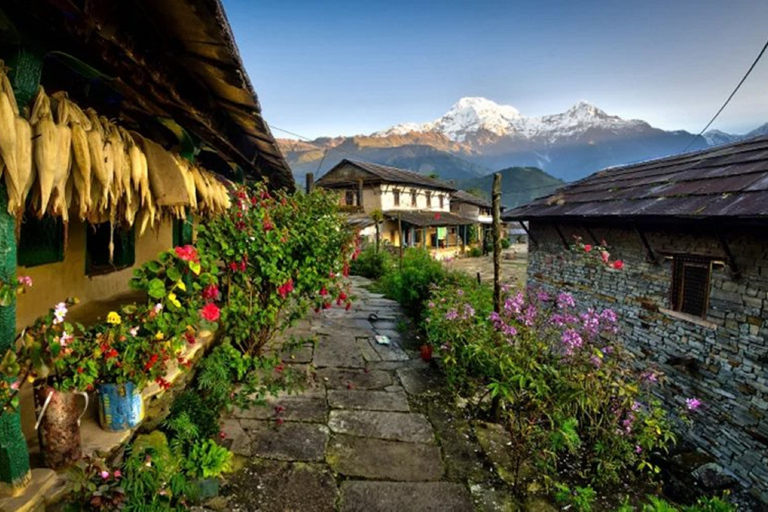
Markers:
point(25, 167)
point(46, 146)
point(68, 113)
point(9, 111)
point(101, 181)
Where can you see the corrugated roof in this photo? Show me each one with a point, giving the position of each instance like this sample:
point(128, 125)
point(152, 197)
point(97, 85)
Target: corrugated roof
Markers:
point(387, 174)
point(726, 181)
point(465, 197)
point(423, 218)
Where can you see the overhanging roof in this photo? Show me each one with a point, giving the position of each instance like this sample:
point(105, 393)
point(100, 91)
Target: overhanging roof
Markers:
point(726, 182)
point(421, 218)
point(163, 58)
point(381, 174)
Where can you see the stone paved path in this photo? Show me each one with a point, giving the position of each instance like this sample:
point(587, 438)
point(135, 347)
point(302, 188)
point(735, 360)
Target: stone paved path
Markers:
point(356, 439)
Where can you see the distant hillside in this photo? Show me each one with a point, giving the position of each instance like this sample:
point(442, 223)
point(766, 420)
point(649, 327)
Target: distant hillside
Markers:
point(304, 158)
point(519, 185)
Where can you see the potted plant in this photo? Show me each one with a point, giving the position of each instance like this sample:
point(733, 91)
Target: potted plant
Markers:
point(59, 362)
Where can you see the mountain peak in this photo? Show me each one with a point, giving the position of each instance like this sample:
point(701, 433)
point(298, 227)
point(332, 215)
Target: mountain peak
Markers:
point(585, 108)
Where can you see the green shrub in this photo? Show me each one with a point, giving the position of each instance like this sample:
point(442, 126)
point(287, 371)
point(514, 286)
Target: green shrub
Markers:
point(410, 285)
point(505, 243)
point(203, 417)
point(475, 252)
point(371, 264)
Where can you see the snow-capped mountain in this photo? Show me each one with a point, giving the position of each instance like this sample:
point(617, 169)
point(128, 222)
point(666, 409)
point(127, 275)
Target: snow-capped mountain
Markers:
point(477, 135)
point(472, 120)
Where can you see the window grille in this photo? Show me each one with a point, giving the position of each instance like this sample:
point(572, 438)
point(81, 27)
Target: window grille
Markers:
point(690, 285)
point(41, 241)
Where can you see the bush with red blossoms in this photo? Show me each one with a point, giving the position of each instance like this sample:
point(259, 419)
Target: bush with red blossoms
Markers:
point(555, 375)
point(281, 253)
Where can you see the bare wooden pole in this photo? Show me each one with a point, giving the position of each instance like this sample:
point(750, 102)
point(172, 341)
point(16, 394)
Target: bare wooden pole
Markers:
point(400, 234)
point(310, 182)
point(496, 197)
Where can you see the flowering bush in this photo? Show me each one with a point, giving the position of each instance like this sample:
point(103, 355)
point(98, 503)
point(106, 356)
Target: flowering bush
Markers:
point(555, 376)
point(597, 253)
point(8, 291)
point(10, 381)
point(410, 285)
point(280, 254)
point(58, 352)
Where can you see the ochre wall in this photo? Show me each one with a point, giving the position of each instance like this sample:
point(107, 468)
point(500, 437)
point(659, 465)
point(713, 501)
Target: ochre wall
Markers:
point(55, 282)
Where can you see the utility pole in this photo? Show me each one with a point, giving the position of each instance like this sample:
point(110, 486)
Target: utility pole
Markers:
point(496, 242)
point(310, 185)
point(400, 232)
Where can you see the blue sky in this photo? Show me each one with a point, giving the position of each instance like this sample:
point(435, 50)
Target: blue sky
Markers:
point(329, 67)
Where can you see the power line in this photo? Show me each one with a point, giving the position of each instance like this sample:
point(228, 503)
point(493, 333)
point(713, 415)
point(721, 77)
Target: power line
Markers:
point(759, 56)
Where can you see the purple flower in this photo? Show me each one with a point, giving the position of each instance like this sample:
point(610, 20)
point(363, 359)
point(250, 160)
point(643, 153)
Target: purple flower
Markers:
point(460, 292)
point(514, 304)
point(542, 296)
point(649, 376)
point(635, 406)
point(431, 304)
point(638, 449)
point(692, 403)
point(609, 316)
point(469, 311)
point(572, 340)
point(452, 315)
point(596, 361)
point(591, 322)
point(565, 300)
point(529, 317)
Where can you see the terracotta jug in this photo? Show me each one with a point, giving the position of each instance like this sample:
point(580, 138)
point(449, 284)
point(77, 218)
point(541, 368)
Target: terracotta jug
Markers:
point(58, 425)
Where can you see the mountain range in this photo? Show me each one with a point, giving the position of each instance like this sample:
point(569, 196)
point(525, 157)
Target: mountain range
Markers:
point(478, 136)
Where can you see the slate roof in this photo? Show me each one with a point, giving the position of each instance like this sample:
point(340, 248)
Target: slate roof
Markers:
point(384, 173)
point(466, 197)
point(723, 182)
point(423, 218)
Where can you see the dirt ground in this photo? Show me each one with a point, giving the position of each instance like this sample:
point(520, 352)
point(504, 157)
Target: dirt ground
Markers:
point(514, 262)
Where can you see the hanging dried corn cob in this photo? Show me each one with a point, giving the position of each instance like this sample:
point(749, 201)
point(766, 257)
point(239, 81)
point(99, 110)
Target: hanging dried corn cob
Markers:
point(70, 114)
point(101, 182)
point(9, 111)
point(46, 141)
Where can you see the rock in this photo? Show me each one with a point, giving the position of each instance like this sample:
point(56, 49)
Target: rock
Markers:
point(387, 460)
point(354, 379)
point(236, 439)
point(338, 351)
point(368, 400)
point(274, 486)
point(396, 426)
point(713, 476)
point(419, 380)
point(311, 408)
point(393, 496)
point(494, 441)
point(290, 441)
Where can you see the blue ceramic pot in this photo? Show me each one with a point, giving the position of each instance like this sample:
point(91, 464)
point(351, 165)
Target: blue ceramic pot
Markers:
point(121, 406)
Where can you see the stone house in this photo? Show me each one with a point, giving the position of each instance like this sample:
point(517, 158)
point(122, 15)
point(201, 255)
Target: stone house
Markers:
point(417, 209)
point(693, 293)
point(167, 72)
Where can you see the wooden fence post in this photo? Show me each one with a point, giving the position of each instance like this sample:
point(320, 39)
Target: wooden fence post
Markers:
point(496, 242)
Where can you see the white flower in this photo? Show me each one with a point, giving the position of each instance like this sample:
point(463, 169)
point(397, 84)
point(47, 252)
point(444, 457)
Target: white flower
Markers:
point(59, 312)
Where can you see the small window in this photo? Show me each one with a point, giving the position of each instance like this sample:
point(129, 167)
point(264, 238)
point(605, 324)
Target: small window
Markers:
point(41, 241)
point(429, 199)
point(413, 198)
point(397, 197)
point(690, 285)
point(349, 198)
point(97, 249)
point(442, 201)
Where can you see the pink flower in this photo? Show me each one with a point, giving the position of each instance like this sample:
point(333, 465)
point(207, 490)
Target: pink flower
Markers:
point(210, 312)
point(618, 264)
point(222, 435)
point(587, 248)
point(134, 331)
point(15, 385)
point(692, 403)
point(638, 449)
point(117, 473)
point(65, 338)
point(104, 474)
point(187, 253)
point(605, 255)
point(25, 280)
point(210, 292)
point(158, 307)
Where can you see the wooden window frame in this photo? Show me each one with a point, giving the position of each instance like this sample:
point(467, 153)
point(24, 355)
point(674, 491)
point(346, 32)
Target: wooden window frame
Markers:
point(349, 197)
point(34, 248)
point(414, 201)
point(677, 288)
point(95, 269)
point(442, 201)
point(396, 194)
point(429, 199)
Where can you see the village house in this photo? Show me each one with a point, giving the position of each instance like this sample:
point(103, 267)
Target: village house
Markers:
point(164, 75)
point(417, 210)
point(693, 292)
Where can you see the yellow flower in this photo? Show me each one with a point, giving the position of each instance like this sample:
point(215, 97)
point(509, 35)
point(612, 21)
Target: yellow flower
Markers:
point(113, 318)
point(159, 335)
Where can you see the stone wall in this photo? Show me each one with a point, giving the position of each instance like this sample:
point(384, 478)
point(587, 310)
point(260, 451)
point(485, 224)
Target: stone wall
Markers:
point(723, 361)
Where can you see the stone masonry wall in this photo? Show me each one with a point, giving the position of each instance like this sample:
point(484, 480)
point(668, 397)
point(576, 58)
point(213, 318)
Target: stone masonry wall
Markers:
point(726, 357)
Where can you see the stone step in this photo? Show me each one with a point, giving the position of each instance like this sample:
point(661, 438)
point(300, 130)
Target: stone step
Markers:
point(291, 441)
point(360, 496)
point(32, 499)
point(395, 426)
point(384, 460)
point(368, 400)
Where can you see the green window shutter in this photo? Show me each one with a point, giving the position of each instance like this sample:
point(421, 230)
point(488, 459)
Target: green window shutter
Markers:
point(41, 241)
point(182, 231)
point(97, 249)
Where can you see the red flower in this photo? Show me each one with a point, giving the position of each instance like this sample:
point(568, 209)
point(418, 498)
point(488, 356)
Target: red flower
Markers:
point(210, 312)
point(286, 288)
point(265, 195)
point(267, 224)
point(345, 270)
point(187, 253)
point(110, 354)
point(279, 409)
point(349, 305)
point(343, 296)
point(190, 336)
point(323, 291)
point(164, 384)
point(210, 292)
point(618, 264)
point(279, 368)
point(587, 248)
point(326, 305)
point(242, 265)
point(222, 435)
point(80, 369)
point(233, 266)
point(151, 362)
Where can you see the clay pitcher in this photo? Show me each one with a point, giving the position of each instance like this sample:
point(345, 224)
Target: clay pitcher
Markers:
point(58, 425)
